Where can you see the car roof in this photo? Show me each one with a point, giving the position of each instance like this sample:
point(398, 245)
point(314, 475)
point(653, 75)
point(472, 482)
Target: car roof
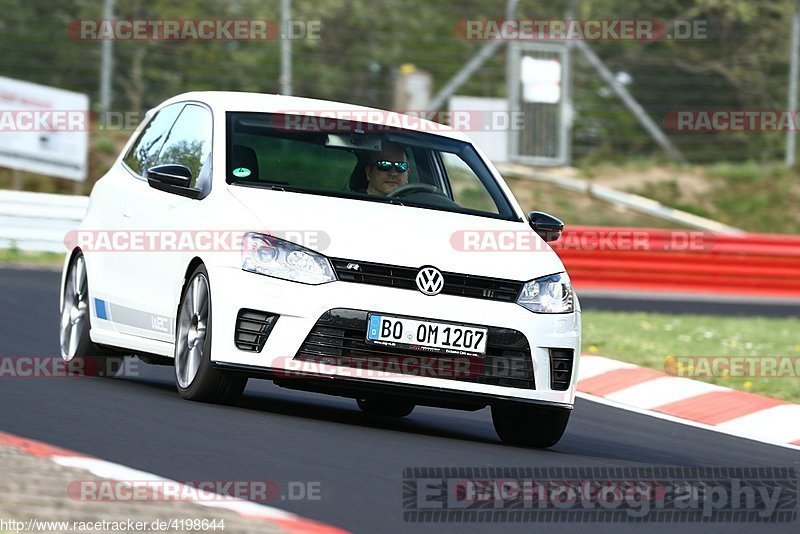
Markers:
point(272, 103)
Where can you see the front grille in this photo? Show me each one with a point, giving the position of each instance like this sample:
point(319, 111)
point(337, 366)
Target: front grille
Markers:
point(462, 285)
point(252, 329)
point(339, 338)
point(561, 363)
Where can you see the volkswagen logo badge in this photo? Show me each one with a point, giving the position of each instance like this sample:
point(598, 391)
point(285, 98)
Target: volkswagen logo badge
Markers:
point(430, 280)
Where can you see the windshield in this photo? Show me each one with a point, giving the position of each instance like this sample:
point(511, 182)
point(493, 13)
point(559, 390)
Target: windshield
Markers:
point(397, 166)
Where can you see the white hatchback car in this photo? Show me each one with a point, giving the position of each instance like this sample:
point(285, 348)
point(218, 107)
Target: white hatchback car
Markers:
point(329, 248)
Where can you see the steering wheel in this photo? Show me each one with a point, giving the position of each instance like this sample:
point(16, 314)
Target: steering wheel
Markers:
point(408, 189)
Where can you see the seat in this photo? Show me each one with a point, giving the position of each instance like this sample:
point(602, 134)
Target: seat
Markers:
point(245, 156)
point(358, 178)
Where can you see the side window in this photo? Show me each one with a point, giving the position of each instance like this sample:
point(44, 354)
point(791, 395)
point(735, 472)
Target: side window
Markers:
point(468, 191)
point(189, 144)
point(144, 151)
point(302, 163)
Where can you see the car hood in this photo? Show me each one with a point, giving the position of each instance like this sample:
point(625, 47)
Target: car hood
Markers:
point(401, 235)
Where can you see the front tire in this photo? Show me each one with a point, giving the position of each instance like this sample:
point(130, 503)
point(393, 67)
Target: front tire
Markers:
point(530, 426)
point(195, 376)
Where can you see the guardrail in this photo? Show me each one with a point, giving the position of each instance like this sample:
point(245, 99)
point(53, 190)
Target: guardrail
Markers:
point(598, 258)
point(681, 261)
point(38, 221)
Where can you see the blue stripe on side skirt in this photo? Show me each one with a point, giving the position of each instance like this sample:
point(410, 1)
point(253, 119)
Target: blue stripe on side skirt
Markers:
point(100, 307)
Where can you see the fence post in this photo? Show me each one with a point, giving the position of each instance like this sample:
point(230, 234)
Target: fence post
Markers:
point(791, 135)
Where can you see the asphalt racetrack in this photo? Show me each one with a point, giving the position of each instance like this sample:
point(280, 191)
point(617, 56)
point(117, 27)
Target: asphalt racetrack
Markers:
point(282, 435)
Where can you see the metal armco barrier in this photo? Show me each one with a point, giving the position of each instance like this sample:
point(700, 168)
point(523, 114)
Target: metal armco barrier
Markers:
point(597, 258)
point(681, 261)
point(38, 221)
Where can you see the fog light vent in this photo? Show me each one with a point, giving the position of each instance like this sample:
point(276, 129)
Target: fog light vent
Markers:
point(561, 363)
point(253, 328)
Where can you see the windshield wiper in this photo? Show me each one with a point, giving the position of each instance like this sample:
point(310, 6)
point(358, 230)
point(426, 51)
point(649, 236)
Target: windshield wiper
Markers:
point(274, 186)
point(385, 200)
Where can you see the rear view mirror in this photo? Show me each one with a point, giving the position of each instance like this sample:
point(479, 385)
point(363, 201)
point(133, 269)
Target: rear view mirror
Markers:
point(173, 179)
point(545, 225)
point(358, 140)
point(171, 174)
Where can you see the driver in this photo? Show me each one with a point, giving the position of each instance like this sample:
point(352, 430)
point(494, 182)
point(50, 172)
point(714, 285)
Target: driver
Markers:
point(387, 171)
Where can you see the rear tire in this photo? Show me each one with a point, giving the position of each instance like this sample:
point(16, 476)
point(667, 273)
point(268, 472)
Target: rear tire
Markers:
point(77, 348)
point(195, 376)
point(385, 407)
point(530, 426)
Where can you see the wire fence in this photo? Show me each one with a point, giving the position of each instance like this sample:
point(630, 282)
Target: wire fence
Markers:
point(742, 63)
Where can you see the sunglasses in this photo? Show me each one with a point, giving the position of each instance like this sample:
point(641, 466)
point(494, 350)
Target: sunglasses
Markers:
point(386, 166)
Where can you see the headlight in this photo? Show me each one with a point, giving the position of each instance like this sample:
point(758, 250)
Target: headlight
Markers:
point(549, 294)
point(264, 254)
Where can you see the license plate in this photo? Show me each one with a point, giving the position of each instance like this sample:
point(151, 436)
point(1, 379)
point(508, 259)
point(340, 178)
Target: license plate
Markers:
point(426, 335)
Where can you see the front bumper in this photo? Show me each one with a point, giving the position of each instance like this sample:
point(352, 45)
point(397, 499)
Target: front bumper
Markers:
point(301, 306)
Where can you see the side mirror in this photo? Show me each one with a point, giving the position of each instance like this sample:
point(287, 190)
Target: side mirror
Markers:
point(548, 227)
point(173, 179)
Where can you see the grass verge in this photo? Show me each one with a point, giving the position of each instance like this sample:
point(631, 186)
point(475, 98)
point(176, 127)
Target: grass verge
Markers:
point(754, 196)
point(659, 341)
point(15, 256)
